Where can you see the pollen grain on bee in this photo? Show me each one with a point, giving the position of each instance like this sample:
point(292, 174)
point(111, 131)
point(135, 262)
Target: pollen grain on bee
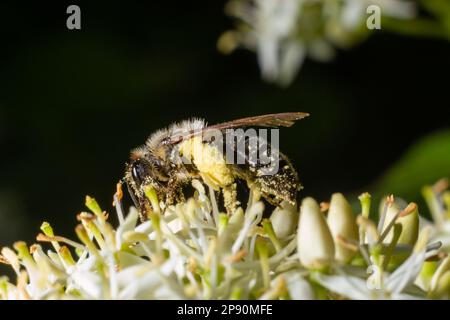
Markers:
point(233, 146)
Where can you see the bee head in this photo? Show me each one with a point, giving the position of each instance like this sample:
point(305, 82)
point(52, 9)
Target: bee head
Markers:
point(139, 171)
point(139, 174)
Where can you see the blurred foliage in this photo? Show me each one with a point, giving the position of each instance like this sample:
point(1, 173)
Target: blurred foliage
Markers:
point(434, 21)
point(424, 163)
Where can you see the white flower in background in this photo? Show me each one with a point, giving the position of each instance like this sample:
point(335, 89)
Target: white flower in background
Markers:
point(284, 32)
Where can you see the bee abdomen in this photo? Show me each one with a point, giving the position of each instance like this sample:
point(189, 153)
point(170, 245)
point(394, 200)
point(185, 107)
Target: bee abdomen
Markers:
point(280, 185)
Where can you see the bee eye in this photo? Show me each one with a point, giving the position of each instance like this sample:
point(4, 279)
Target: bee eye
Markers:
point(138, 172)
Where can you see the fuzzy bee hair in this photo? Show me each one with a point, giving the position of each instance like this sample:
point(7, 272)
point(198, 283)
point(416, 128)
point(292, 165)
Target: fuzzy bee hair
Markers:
point(153, 164)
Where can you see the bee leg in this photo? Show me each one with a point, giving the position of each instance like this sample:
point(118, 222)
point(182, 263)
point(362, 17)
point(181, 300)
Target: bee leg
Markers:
point(178, 194)
point(230, 198)
point(143, 210)
point(174, 196)
point(279, 187)
point(272, 199)
point(174, 192)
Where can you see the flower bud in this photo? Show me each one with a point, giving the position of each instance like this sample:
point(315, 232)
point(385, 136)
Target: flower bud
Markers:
point(341, 222)
point(315, 244)
point(409, 220)
point(284, 220)
point(410, 225)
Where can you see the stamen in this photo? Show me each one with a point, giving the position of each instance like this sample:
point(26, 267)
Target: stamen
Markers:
point(85, 216)
point(240, 255)
point(33, 248)
point(408, 210)
point(324, 206)
point(434, 246)
point(43, 238)
point(347, 243)
point(119, 193)
point(4, 260)
point(441, 185)
point(390, 199)
point(117, 202)
point(388, 203)
point(437, 257)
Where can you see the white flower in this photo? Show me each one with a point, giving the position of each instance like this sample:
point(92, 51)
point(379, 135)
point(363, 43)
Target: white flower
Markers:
point(382, 284)
point(193, 251)
point(298, 287)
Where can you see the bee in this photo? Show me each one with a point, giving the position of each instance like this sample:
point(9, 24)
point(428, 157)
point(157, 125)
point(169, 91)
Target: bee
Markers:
point(172, 157)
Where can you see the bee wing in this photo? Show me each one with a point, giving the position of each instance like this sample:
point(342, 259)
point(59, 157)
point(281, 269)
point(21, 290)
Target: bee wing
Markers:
point(285, 119)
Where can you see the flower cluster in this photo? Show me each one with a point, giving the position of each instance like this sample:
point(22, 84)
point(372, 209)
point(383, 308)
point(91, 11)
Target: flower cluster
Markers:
point(284, 32)
point(193, 251)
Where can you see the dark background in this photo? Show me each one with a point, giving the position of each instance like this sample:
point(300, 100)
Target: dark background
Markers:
point(73, 103)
